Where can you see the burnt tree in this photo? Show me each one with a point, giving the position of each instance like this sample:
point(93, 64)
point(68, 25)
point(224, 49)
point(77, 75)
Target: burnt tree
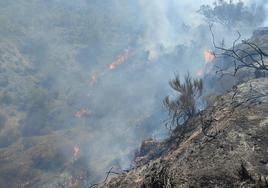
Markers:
point(245, 55)
point(183, 106)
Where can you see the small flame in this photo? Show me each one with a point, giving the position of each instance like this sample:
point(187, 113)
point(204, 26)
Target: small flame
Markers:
point(93, 79)
point(120, 60)
point(25, 184)
point(200, 73)
point(209, 56)
point(112, 66)
point(76, 151)
point(82, 113)
point(73, 182)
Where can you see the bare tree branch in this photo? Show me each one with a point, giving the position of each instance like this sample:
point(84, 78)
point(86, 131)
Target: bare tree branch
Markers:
point(207, 123)
point(240, 54)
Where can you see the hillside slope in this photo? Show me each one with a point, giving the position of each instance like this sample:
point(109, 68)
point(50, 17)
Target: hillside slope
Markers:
point(236, 156)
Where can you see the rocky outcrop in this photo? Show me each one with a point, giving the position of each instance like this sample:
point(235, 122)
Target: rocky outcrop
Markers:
point(234, 152)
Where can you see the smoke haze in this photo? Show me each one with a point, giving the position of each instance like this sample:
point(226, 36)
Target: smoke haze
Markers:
point(104, 66)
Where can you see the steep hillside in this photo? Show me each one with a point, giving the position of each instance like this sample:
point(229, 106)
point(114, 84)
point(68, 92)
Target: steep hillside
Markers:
point(82, 84)
point(234, 153)
point(16, 82)
point(220, 75)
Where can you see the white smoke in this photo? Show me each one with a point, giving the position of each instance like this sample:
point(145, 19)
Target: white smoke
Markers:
point(171, 31)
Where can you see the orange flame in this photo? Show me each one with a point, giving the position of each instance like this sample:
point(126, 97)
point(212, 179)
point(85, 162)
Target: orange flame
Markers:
point(209, 56)
point(82, 113)
point(120, 60)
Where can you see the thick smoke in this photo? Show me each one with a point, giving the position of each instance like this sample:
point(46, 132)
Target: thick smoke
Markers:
point(169, 36)
point(72, 44)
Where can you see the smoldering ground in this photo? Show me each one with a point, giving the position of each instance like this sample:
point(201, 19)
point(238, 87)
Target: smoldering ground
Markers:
point(105, 66)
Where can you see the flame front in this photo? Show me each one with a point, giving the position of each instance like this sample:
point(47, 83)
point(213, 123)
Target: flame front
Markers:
point(76, 151)
point(209, 56)
point(82, 113)
point(200, 72)
point(73, 182)
point(120, 60)
point(93, 79)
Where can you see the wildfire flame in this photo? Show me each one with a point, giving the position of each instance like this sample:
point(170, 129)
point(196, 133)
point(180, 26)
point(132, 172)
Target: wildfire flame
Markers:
point(76, 151)
point(200, 73)
point(73, 182)
point(25, 184)
point(120, 60)
point(93, 79)
point(209, 56)
point(82, 113)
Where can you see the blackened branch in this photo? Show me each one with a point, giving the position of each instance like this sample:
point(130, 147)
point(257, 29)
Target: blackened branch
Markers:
point(246, 55)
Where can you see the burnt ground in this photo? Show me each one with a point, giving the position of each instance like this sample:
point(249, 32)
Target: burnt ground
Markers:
point(234, 152)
